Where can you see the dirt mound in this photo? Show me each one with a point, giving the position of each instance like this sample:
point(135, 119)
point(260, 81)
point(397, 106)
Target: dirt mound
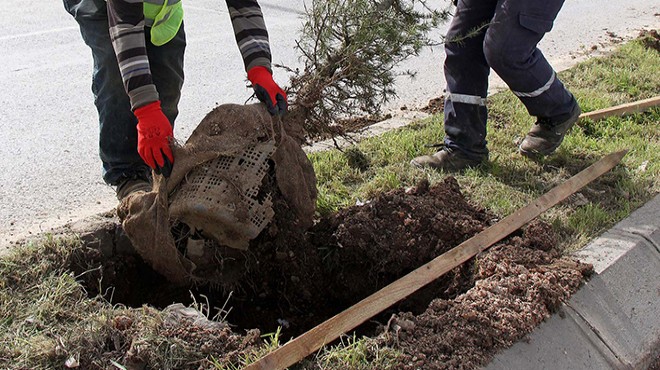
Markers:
point(302, 278)
point(372, 245)
point(518, 285)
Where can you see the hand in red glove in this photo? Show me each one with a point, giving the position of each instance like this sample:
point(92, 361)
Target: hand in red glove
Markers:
point(267, 90)
point(154, 135)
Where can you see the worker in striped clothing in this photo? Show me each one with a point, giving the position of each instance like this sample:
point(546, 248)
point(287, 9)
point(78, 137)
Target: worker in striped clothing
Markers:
point(502, 35)
point(138, 48)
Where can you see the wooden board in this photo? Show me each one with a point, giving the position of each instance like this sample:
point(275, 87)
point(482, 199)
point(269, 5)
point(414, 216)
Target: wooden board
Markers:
point(331, 329)
point(623, 109)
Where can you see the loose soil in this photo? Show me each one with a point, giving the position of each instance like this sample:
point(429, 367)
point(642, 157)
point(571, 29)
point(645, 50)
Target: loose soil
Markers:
point(650, 39)
point(297, 279)
point(435, 105)
point(518, 285)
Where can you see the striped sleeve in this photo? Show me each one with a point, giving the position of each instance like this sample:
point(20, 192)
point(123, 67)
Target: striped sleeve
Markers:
point(126, 21)
point(251, 33)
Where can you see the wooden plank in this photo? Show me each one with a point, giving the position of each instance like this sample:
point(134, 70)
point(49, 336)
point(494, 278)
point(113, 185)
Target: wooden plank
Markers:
point(331, 329)
point(623, 109)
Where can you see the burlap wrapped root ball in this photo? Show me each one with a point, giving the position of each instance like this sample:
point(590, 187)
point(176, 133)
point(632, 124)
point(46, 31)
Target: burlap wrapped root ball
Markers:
point(221, 190)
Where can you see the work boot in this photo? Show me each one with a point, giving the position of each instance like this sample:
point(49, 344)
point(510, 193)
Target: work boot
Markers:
point(447, 159)
point(130, 186)
point(546, 136)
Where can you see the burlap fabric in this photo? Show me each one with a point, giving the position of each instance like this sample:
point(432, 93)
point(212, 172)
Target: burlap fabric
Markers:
point(225, 132)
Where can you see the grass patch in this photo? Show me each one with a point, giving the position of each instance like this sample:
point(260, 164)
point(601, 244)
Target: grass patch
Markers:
point(352, 353)
point(47, 320)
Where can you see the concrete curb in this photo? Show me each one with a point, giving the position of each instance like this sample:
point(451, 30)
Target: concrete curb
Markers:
point(613, 322)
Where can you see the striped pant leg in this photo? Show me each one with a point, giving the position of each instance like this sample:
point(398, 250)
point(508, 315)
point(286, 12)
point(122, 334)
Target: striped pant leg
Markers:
point(166, 63)
point(466, 73)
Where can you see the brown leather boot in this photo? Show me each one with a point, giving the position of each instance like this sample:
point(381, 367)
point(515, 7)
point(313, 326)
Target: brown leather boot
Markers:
point(447, 160)
point(545, 137)
point(129, 186)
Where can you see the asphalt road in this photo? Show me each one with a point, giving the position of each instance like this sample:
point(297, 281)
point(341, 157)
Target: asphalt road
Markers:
point(49, 167)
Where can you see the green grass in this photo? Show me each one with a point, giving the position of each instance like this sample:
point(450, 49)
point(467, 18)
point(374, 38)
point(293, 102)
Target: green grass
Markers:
point(352, 353)
point(510, 181)
point(47, 318)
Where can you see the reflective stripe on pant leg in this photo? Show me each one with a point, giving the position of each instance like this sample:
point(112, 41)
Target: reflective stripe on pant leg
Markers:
point(467, 99)
point(538, 91)
point(511, 49)
point(465, 124)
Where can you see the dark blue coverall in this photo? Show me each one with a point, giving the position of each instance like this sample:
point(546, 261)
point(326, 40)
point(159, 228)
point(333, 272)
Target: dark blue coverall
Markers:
point(509, 31)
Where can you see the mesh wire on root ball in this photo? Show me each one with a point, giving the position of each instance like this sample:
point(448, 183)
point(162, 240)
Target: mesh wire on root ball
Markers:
point(218, 189)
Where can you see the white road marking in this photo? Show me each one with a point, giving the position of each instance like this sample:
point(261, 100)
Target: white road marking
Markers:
point(36, 33)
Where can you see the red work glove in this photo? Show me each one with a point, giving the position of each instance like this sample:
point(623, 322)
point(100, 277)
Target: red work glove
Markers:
point(154, 135)
point(267, 90)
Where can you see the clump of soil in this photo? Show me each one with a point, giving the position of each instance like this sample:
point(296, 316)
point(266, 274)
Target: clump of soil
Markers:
point(356, 159)
point(435, 105)
point(650, 39)
point(655, 364)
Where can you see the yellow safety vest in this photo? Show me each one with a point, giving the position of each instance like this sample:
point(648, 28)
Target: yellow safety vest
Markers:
point(164, 17)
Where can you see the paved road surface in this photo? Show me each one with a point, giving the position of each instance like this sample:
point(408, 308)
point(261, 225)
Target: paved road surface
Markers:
point(49, 167)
